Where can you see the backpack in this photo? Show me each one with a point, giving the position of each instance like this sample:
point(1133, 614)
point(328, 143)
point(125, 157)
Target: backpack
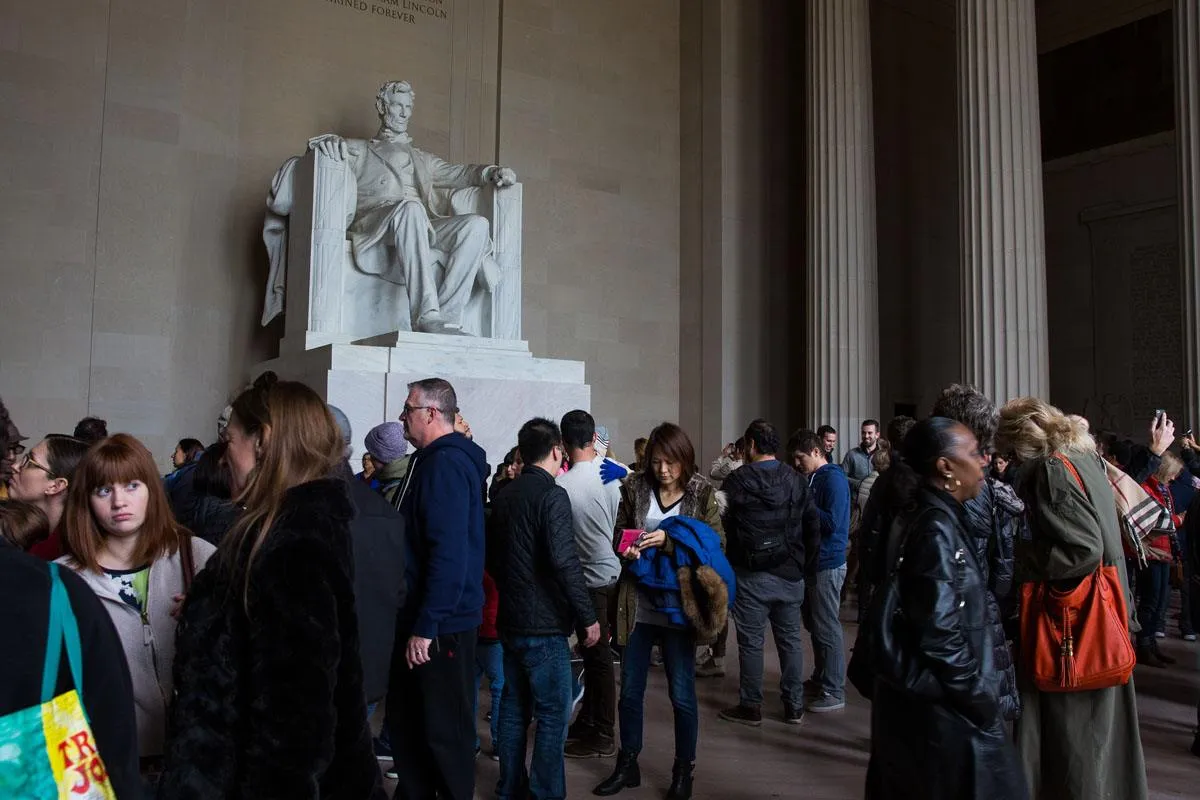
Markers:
point(765, 550)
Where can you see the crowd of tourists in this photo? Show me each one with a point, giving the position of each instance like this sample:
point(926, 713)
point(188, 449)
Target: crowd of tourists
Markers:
point(230, 629)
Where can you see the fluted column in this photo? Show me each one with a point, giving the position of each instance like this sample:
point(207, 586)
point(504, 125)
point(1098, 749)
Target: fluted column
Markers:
point(843, 332)
point(1187, 137)
point(1001, 217)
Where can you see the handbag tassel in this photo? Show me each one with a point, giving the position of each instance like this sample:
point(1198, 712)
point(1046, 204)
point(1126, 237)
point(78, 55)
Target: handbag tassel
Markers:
point(1067, 677)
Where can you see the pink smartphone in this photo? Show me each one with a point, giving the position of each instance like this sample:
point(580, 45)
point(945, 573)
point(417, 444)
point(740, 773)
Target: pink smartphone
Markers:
point(628, 537)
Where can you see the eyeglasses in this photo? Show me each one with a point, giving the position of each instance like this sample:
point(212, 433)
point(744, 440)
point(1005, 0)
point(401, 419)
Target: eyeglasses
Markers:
point(409, 409)
point(30, 461)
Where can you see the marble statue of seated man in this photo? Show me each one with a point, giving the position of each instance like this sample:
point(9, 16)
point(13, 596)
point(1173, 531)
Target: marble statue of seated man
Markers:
point(399, 223)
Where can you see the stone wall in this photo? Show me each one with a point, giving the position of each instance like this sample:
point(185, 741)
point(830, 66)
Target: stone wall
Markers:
point(139, 138)
point(589, 117)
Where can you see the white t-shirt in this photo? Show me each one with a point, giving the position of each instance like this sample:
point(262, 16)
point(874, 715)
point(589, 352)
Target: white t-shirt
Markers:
point(654, 517)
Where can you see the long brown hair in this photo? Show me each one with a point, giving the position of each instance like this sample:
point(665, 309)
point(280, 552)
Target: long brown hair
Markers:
point(116, 460)
point(299, 443)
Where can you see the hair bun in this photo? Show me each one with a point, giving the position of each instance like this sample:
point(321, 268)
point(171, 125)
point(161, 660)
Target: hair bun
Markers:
point(266, 381)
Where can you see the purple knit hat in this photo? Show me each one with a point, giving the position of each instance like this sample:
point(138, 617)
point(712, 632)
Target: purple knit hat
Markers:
point(386, 442)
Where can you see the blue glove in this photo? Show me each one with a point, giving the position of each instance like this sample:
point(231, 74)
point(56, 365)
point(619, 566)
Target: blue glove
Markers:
point(612, 471)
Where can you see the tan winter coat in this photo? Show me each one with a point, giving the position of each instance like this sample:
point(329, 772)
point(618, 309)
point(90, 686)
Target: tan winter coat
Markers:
point(700, 501)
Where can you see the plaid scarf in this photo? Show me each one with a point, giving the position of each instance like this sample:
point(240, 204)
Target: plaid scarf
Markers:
point(1140, 514)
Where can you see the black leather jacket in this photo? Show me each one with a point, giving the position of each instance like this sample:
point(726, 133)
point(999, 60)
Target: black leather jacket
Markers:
point(943, 601)
point(941, 735)
point(992, 519)
point(532, 557)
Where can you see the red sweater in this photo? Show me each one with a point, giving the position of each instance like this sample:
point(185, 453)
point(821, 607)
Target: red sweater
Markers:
point(51, 547)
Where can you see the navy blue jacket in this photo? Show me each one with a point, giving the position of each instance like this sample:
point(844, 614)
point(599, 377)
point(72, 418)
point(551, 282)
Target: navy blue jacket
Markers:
point(442, 506)
point(831, 496)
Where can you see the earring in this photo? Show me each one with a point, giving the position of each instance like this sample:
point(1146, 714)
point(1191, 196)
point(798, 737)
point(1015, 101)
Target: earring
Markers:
point(946, 484)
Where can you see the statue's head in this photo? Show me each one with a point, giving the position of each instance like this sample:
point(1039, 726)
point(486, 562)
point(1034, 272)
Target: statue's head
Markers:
point(395, 105)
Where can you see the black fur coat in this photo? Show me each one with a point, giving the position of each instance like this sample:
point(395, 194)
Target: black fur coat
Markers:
point(270, 704)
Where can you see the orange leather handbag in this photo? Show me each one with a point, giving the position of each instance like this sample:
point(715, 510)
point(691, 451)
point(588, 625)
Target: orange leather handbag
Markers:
point(1076, 640)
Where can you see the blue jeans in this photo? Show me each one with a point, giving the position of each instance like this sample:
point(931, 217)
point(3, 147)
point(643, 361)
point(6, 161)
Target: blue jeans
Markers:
point(537, 686)
point(489, 661)
point(1154, 590)
point(762, 598)
point(679, 658)
point(822, 609)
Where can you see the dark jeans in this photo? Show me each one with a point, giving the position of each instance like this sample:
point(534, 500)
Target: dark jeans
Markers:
point(598, 712)
point(679, 658)
point(489, 663)
point(1154, 589)
point(822, 609)
point(537, 686)
point(762, 599)
point(431, 715)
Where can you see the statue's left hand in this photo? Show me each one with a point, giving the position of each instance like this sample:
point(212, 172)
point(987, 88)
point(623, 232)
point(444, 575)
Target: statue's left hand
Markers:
point(501, 177)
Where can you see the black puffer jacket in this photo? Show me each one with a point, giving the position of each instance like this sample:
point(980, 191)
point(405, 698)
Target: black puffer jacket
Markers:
point(942, 736)
point(992, 519)
point(771, 499)
point(269, 702)
point(532, 557)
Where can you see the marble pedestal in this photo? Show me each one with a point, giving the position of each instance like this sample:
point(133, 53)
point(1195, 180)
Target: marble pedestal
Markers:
point(499, 383)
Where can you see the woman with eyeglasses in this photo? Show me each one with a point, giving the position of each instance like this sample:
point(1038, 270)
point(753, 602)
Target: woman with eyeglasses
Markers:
point(41, 477)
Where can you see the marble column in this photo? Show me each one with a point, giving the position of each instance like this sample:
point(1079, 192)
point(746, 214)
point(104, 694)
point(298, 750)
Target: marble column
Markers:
point(1187, 137)
point(1001, 219)
point(842, 295)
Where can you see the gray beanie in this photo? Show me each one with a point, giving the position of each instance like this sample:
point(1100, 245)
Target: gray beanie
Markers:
point(386, 442)
point(343, 423)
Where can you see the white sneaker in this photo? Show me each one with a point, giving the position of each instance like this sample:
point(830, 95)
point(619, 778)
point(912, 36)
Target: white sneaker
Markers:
point(1160, 635)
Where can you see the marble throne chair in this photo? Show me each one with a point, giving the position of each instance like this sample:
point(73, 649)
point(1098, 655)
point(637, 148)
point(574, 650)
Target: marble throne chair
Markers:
point(328, 299)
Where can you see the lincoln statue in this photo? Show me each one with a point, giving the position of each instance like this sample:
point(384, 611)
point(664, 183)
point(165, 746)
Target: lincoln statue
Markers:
point(403, 229)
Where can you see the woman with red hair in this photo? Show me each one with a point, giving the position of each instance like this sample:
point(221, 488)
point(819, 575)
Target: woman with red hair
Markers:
point(122, 539)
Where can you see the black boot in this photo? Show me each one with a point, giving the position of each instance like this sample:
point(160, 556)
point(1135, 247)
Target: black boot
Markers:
point(627, 775)
point(681, 781)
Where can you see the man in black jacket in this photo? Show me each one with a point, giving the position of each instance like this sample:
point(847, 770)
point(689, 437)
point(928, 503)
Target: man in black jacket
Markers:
point(773, 536)
point(543, 597)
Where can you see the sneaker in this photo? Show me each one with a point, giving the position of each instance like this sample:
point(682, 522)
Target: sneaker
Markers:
point(577, 693)
point(591, 747)
point(391, 774)
point(1189, 637)
point(711, 668)
point(742, 715)
point(1160, 635)
point(579, 730)
point(494, 754)
point(656, 659)
point(383, 750)
point(792, 715)
point(826, 703)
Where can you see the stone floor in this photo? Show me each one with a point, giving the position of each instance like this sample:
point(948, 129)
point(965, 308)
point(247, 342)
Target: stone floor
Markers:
point(826, 756)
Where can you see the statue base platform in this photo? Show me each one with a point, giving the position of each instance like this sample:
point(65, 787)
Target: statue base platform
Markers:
point(500, 385)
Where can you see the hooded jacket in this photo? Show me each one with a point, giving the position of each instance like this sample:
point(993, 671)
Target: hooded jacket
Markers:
point(831, 496)
point(769, 498)
point(442, 505)
point(148, 638)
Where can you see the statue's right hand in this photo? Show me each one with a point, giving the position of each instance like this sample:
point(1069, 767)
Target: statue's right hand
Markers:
point(331, 146)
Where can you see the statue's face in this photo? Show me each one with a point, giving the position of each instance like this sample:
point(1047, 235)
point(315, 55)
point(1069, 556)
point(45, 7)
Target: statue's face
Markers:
point(396, 111)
